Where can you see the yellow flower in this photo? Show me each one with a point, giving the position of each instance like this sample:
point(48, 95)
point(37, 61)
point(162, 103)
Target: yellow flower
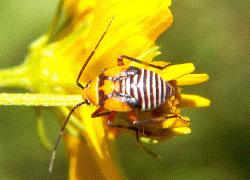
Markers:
point(55, 59)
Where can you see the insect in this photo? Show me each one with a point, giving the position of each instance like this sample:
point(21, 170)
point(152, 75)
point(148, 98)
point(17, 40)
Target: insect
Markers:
point(121, 89)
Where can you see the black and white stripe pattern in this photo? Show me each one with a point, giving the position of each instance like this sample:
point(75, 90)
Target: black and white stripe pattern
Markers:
point(147, 87)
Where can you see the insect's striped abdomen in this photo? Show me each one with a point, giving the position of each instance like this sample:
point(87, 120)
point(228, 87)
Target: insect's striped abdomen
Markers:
point(147, 87)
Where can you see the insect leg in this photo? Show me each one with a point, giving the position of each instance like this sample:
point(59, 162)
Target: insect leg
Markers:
point(100, 112)
point(156, 120)
point(148, 121)
point(110, 124)
point(91, 54)
point(120, 62)
point(148, 151)
point(53, 156)
point(144, 148)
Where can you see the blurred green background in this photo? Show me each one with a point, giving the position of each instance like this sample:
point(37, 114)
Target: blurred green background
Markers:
point(214, 35)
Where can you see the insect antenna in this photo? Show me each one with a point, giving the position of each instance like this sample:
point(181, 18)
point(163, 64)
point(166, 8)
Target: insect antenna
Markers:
point(91, 54)
point(53, 156)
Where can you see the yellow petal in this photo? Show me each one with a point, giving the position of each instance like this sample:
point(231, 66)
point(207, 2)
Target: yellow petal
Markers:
point(176, 71)
point(192, 79)
point(94, 129)
point(168, 123)
point(184, 122)
point(78, 166)
point(182, 130)
point(79, 12)
point(176, 122)
point(132, 32)
point(76, 8)
point(190, 100)
point(149, 54)
point(94, 153)
point(84, 165)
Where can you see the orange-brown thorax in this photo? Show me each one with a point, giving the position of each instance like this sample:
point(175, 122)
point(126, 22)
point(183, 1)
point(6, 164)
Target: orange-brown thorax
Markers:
point(101, 91)
point(90, 93)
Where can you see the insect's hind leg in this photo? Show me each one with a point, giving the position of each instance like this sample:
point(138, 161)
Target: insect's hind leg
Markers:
point(139, 123)
point(120, 126)
point(120, 62)
point(144, 148)
point(137, 131)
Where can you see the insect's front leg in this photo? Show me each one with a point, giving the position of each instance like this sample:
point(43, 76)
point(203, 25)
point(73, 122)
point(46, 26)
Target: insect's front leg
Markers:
point(100, 112)
point(139, 123)
point(120, 126)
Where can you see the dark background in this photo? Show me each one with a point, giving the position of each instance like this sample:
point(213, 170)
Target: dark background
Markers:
point(214, 35)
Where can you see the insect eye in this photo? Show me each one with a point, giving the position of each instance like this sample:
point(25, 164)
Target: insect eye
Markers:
point(88, 102)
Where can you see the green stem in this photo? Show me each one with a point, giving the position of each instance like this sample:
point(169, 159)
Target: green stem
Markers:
point(39, 99)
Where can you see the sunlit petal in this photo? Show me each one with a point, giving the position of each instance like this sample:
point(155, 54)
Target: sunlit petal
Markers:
point(129, 33)
point(192, 79)
point(191, 100)
point(182, 130)
point(176, 71)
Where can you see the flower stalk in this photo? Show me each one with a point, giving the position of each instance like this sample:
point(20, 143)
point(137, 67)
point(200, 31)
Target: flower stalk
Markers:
point(27, 99)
